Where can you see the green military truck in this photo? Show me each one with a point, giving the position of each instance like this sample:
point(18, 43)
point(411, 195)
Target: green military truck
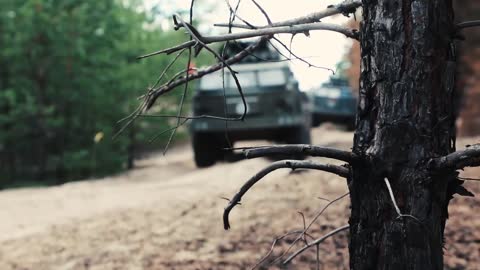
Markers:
point(276, 109)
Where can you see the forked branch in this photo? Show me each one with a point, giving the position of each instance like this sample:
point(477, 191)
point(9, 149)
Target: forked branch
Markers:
point(288, 29)
point(469, 157)
point(292, 164)
point(157, 92)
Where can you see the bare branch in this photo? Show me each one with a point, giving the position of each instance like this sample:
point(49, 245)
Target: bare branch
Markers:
point(468, 24)
point(348, 6)
point(299, 58)
point(292, 164)
point(203, 116)
point(469, 157)
point(250, 26)
point(234, 15)
point(173, 49)
point(299, 149)
point(289, 29)
point(167, 130)
point(263, 12)
point(195, 35)
point(184, 95)
point(316, 242)
point(155, 93)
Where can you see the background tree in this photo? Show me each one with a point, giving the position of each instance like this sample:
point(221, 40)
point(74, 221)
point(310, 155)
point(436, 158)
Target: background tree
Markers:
point(402, 171)
point(68, 73)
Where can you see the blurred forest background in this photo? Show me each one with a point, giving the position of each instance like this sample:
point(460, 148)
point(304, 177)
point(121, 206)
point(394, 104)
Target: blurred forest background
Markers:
point(68, 73)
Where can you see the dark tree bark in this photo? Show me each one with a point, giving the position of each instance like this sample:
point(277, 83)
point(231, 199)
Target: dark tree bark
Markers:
point(405, 118)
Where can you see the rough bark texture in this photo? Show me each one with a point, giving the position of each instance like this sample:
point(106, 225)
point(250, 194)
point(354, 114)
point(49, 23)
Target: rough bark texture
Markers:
point(468, 59)
point(405, 117)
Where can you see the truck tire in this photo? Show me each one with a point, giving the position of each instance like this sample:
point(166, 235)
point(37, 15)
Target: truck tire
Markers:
point(351, 125)
point(204, 150)
point(300, 135)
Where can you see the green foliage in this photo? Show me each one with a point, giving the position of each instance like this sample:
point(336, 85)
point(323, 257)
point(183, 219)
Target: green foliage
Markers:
point(67, 74)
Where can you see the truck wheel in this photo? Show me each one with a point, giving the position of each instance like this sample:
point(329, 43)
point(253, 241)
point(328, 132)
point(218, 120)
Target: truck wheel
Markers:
point(300, 135)
point(316, 121)
point(204, 150)
point(351, 126)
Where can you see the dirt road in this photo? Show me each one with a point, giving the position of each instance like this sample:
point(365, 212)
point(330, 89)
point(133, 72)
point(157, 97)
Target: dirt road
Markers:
point(166, 214)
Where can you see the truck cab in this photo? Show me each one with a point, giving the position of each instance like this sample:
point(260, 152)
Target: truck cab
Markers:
point(276, 109)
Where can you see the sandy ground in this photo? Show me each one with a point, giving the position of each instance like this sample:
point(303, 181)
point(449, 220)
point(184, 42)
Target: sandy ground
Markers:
point(166, 214)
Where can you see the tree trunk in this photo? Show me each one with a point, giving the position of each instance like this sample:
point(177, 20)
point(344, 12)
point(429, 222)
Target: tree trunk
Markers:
point(405, 117)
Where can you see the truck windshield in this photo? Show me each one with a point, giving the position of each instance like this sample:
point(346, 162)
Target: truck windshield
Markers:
point(272, 77)
point(212, 81)
point(247, 79)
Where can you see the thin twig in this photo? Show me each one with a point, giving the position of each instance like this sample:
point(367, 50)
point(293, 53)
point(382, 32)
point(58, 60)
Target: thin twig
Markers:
point(274, 243)
point(263, 12)
point(250, 26)
point(316, 242)
point(348, 6)
point(311, 223)
point(167, 130)
point(397, 209)
point(135, 114)
point(203, 116)
point(392, 197)
point(301, 59)
point(234, 15)
point(292, 29)
point(304, 226)
point(155, 93)
point(185, 88)
point(164, 72)
point(194, 35)
point(182, 101)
